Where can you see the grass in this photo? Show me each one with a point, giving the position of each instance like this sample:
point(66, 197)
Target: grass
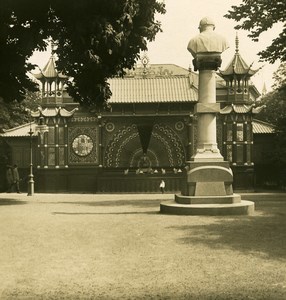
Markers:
point(121, 247)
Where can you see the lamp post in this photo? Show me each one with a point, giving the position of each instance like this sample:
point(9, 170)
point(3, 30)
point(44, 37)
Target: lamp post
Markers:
point(41, 128)
point(31, 176)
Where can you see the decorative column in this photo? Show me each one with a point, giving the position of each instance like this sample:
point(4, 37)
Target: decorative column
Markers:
point(208, 187)
point(206, 110)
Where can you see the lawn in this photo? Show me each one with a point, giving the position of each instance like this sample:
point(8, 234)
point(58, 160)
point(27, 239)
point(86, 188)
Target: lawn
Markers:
point(121, 247)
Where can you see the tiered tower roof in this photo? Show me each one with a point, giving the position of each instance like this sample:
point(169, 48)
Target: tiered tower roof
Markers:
point(50, 71)
point(237, 65)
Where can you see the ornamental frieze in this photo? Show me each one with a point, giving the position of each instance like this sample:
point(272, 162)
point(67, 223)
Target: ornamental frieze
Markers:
point(83, 119)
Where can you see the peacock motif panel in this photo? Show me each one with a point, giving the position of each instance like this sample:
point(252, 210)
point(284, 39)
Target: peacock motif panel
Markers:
point(125, 149)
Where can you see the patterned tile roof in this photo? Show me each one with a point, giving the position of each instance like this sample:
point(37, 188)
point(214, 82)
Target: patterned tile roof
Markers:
point(153, 90)
point(260, 127)
point(241, 109)
point(20, 131)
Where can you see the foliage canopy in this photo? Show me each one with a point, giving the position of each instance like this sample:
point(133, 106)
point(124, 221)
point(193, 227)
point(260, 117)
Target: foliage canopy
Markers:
point(13, 113)
point(258, 16)
point(275, 113)
point(95, 40)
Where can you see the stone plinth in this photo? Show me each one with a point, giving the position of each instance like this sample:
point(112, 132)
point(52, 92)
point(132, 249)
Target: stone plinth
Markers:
point(208, 191)
point(174, 208)
point(208, 178)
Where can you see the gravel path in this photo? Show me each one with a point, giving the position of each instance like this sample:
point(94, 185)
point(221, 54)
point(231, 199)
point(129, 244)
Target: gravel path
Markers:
point(121, 247)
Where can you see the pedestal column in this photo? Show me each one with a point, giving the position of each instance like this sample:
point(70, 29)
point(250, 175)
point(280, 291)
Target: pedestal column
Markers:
point(206, 110)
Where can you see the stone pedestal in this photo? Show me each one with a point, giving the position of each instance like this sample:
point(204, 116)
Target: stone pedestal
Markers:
point(208, 191)
point(208, 179)
point(208, 187)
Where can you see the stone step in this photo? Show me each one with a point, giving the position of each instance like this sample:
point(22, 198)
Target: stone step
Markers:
point(242, 208)
point(228, 199)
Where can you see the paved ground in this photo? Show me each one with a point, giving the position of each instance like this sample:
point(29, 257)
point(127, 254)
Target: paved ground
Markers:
point(121, 247)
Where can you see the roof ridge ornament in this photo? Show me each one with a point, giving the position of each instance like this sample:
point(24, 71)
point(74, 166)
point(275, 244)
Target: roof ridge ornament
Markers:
point(145, 62)
point(236, 43)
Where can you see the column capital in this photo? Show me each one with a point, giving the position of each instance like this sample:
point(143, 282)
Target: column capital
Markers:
point(207, 61)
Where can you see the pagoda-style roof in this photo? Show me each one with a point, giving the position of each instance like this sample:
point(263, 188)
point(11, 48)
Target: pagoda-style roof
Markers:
point(53, 112)
point(238, 66)
point(241, 109)
point(50, 71)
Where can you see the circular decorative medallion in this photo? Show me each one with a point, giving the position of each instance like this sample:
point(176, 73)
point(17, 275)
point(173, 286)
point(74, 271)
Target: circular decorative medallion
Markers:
point(82, 145)
point(109, 127)
point(145, 60)
point(179, 126)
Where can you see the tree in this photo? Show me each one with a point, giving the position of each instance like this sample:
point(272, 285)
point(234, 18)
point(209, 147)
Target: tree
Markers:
point(275, 101)
point(275, 113)
point(259, 16)
point(280, 78)
point(13, 113)
point(94, 39)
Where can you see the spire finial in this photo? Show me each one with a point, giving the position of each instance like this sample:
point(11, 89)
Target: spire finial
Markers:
point(264, 89)
point(236, 43)
point(53, 46)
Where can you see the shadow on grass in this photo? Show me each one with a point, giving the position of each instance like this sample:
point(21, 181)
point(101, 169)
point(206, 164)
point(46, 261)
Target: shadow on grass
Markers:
point(111, 213)
point(11, 202)
point(133, 203)
point(262, 234)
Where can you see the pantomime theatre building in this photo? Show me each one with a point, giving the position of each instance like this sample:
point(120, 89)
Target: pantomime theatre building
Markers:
point(148, 135)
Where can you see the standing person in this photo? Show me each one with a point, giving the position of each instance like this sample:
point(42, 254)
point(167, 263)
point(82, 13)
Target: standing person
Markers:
point(9, 178)
point(162, 186)
point(16, 178)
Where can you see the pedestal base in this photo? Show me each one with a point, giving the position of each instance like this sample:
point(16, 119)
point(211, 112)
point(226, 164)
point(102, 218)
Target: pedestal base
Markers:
point(242, 208)
point(208, 179)
point(227, 199)
point(208, 191)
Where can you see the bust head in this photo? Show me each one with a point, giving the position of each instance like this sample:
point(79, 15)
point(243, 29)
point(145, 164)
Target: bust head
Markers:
point(205, 23)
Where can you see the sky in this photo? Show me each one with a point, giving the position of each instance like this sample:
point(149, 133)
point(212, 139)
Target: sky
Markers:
point(180, 24)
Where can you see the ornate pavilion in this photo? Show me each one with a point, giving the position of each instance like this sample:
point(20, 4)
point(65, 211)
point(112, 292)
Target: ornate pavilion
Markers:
point(149, 133)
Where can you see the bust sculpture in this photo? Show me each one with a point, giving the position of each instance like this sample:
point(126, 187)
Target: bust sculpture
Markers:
point(207, 45)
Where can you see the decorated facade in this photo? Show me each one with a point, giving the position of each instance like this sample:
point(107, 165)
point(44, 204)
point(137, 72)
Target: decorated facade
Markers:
point(148, 134)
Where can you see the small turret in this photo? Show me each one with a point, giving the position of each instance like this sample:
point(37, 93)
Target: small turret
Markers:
point(237, 75)
point(52, 82)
